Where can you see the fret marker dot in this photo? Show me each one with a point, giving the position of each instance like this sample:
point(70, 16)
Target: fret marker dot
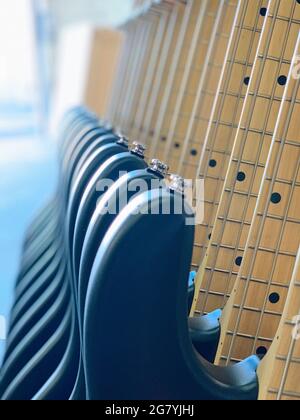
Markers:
point(247, 81)
point(177, 145)
point(263, 11)
point(276, 198)
point(164, 138)
point(261, 351)
point(212, 163)
point(282, 80)
point(274, 298)
point(239, 261)
point(194, 152)
point(241, 176)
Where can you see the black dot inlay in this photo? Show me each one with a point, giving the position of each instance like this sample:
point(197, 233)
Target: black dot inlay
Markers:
point(282, 80)
point(164, 138)
point(212, 163)
point(247, 81)
point(261, 351)
point(241, 176)
point(263, 11)
point(194, 152)
point(276, 198)
point(274, 298)
point(177, 145)
point(239, 261)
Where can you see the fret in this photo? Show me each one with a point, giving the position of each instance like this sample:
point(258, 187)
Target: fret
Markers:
point(222, 125)
point(280, 370)
point(252, 144)
point(281, 237)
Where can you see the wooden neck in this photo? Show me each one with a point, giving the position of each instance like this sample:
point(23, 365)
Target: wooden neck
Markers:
point(247, 162)
point(280, 370)
point(220, 135)
point(254, 310)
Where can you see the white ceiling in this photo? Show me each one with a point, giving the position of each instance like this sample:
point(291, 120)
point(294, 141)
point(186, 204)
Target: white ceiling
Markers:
point(100, 12)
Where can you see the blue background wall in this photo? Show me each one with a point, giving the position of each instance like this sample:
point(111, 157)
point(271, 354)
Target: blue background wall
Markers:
point(27, 158)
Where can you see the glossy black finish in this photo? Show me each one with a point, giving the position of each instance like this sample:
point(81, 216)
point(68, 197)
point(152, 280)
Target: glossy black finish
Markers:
point(147, 353)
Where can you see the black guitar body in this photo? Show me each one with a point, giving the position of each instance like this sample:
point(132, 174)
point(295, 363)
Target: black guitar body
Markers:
point(139, 348)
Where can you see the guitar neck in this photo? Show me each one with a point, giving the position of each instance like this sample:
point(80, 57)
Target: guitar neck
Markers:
point(255, 307)
point(280, 370)
point(235, 209)
point(226, 111)
point(185, 72)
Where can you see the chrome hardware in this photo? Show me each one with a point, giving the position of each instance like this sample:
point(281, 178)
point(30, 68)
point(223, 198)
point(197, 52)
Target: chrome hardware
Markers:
point(177, 183)
point(159, 167)
point(123, 141)
point(138, 149)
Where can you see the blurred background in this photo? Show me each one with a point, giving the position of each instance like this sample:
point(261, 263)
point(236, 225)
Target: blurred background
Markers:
point(42, 44)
